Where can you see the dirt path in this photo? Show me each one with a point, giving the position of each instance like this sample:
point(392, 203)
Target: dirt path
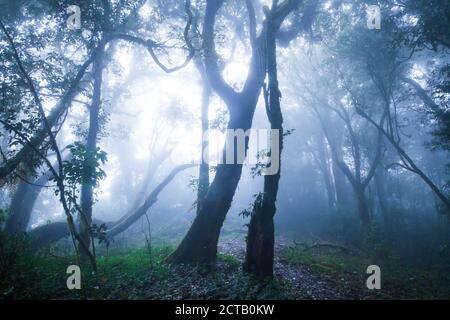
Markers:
point(298, 275)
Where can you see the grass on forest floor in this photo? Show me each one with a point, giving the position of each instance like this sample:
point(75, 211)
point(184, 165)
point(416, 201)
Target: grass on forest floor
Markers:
point(135, 274)
point(347, 273)
point(129, 273)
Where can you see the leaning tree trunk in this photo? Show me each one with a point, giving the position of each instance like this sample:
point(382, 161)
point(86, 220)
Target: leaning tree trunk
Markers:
point(261, 232)
point(22, 205)
point(200, 243)
point(23, 201)
point(153, 166)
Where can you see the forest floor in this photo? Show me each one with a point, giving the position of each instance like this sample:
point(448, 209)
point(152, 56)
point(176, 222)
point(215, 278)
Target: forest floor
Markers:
point(305, 283)
point(130, 273)
point(331, 271)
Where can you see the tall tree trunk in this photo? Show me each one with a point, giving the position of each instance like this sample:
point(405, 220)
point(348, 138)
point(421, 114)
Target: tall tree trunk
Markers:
point(87, 187)
point(261, 232)
point(363, 208)
point(259, 253)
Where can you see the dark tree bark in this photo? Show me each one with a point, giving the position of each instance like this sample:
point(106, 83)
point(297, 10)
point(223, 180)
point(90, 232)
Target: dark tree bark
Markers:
point(363, 208)
point(261, 233)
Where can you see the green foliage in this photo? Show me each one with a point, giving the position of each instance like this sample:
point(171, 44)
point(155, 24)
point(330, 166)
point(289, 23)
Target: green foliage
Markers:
point(229, 259)
point(84, 165)
point(257, 202)
point(440, 84)
point(261, 163)
point(17, 267)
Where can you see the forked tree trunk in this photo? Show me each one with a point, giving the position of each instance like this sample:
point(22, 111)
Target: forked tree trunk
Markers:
point(409, 163)
point(200, 243)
